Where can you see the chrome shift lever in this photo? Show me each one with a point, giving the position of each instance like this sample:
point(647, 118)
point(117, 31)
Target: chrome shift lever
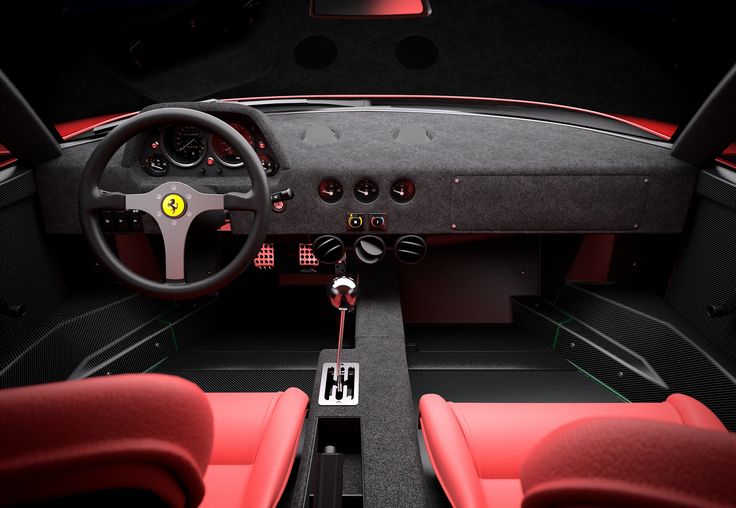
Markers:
point(343, 295)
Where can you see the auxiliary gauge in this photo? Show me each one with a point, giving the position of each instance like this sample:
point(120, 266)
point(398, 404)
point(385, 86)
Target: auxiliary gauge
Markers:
point(402, 191)
point(156, 165)
point(330, 190)
point(366, 191)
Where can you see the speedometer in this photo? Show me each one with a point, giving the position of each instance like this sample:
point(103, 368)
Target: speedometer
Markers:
point(185, 145)
point(225, 153)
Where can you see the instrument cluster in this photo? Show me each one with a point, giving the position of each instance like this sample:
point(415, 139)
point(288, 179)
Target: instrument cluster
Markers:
point(185, 149)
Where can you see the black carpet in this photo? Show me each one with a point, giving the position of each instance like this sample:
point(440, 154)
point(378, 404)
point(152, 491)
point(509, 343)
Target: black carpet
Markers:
point(246, 380)
point(500, 363)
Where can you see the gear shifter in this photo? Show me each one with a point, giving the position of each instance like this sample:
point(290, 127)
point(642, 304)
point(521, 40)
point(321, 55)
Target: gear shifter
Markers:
point(339, 385)
point(343, 295)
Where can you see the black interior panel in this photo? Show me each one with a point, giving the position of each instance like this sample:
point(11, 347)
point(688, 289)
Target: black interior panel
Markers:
point(706, 273)
point(525, 203)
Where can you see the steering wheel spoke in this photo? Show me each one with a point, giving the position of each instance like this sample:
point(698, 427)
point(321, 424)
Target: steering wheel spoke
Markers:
point(103, 200)
point(174, 246)
point(241, 201)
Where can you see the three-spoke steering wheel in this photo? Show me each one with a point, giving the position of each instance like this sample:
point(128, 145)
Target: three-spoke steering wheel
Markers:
point(174, 206)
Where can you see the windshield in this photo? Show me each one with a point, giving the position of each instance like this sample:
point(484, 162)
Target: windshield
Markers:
point(648, 59)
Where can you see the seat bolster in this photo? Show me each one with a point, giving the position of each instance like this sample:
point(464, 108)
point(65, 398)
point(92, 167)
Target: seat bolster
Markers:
point(156, 429)
point(276, 450)
point(240, 419)
point(694, 413)
point(634, 463)
point(449, 453)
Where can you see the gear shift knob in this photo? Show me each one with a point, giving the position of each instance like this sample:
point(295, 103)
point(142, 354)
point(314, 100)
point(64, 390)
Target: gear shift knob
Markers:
point(343, 293)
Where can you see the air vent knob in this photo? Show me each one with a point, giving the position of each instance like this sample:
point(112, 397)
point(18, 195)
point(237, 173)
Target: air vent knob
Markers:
point(410, 249)
point(328, 249)
point(369, 249)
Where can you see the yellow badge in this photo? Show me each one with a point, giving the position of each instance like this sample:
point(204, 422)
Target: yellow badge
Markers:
point(173, 206)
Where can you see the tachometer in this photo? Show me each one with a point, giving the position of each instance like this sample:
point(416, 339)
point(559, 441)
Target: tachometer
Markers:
point(224, 153)
point(185, 145)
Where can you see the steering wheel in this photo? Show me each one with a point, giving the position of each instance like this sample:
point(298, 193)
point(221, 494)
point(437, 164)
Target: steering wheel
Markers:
point(174, 206)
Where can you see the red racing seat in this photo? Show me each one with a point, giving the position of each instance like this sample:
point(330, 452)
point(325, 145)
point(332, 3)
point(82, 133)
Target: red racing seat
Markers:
point(110, 440)
point(633, 463)
point(255, 442)
point(481, 451)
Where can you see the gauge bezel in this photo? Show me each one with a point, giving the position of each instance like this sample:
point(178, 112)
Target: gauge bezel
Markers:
point(219, 159)
point(217, 156)
point(402, 202)
point(147, 168)
point(361, 200)
point(165, 147)
point(335, 180)
point(274, 164)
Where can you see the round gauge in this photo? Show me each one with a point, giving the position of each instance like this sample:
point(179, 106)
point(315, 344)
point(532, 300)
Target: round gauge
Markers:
point(402, 191)
point(269, 166)
point(330, 190)
point(156, 165)
point(184, 144)
point(225, 153)
point(366, 191)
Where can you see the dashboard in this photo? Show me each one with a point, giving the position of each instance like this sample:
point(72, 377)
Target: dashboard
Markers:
point(186, 150)
point(399, 171)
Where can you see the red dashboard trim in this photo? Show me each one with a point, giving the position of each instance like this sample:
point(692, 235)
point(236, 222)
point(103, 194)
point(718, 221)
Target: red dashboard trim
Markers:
point(728, 164)
point(7, 163)
point(665, 130)
point(4, 151)
point(68, 130)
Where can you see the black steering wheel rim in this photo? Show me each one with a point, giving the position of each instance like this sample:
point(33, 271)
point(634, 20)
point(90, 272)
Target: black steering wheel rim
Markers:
point(93, 199)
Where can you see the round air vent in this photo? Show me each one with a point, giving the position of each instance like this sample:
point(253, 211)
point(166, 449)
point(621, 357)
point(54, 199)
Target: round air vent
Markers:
point(328, 249)
point(410, 249)
point(369, 249)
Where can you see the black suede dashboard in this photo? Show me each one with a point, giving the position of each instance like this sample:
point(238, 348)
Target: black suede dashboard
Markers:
point(472, 173)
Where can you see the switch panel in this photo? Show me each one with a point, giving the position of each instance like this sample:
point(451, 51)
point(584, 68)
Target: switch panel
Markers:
point(121, 221)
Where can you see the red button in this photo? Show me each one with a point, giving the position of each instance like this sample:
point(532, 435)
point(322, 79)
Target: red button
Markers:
point(278, 206)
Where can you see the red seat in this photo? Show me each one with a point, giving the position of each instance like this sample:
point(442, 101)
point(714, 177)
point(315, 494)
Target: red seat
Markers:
point(147, 433)
point(631, 463)
point(478, 450)
point(255, 442)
